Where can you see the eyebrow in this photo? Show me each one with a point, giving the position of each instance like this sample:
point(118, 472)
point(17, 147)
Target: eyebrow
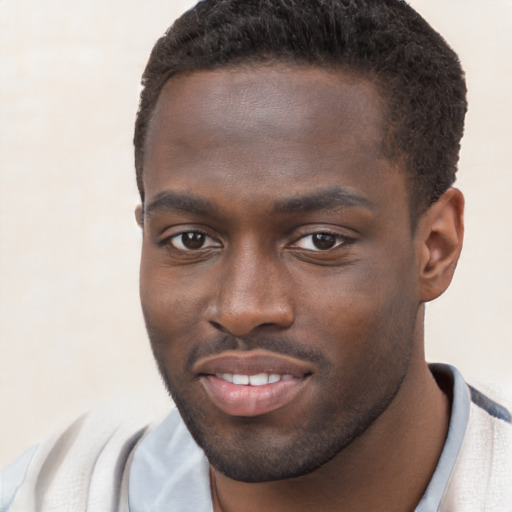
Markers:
point(325, 199)
point(178, 202)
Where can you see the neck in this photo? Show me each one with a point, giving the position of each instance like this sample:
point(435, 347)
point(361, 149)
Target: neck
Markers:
point(386, 468)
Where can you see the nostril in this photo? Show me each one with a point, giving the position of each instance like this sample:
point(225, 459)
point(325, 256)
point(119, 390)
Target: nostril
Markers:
point(240, 314)
point(217, 325)
point(272, 325)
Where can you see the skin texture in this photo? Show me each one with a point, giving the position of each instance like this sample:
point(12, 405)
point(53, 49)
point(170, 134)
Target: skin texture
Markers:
point(275, 228)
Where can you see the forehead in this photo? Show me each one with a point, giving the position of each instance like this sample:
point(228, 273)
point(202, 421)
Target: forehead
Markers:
point(276, 126)
point(305, 99)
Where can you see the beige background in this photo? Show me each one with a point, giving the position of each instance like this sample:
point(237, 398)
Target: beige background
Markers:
point(72, 335)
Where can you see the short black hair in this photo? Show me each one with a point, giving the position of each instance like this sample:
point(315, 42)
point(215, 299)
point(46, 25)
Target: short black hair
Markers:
point(416, 72)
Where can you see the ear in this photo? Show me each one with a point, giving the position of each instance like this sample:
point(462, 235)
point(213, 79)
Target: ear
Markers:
point(139, 215)
point(439, 236)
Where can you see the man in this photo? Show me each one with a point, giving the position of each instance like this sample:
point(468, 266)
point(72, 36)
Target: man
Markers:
point(295, 160)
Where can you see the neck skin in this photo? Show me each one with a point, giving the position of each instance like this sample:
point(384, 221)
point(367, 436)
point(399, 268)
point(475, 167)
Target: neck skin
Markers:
point(386, 468)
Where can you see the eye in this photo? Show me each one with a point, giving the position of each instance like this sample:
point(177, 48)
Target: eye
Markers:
point(192, 241)
point(321, 241)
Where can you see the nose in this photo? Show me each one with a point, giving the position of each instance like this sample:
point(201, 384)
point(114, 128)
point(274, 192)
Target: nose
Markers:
point(253, 292)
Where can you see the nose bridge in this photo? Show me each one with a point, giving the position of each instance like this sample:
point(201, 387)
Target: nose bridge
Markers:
point(252, 292)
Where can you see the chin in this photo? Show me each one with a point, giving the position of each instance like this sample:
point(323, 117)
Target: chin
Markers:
point(256, 450)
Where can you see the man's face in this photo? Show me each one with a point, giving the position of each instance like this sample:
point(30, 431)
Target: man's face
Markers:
point(278, 273)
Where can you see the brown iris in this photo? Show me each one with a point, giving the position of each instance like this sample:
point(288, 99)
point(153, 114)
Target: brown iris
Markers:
point(324, 241)
point(193, 239)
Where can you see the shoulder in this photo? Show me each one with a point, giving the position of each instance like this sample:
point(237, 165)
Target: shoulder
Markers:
point(482, 476)
point(83, 464)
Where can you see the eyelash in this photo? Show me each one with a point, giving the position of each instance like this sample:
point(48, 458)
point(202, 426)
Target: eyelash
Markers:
point(339, 240)
point(169, 241)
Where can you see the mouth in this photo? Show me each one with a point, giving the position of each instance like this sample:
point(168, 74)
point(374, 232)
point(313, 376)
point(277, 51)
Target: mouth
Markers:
point(252, 383)
point(260, 379)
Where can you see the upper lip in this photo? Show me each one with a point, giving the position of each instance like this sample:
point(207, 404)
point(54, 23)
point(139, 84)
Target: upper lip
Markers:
point(252, 363)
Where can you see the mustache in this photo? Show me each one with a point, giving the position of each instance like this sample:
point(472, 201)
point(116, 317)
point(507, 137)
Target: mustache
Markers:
point(278, 345)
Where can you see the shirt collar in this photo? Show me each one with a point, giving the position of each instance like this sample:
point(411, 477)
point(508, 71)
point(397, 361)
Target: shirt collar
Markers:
point(169, 471)
point(459, 418)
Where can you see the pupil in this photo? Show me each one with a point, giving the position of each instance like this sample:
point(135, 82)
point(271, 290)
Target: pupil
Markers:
point(193, 240)
point(324, 241)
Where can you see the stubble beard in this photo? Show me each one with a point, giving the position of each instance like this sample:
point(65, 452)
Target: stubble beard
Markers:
point(268, 447)
point(258, 452)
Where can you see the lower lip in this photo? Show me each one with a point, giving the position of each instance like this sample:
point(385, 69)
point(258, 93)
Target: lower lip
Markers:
point(239, 400)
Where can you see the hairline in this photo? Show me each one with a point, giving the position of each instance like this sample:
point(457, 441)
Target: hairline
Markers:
point(389, 149)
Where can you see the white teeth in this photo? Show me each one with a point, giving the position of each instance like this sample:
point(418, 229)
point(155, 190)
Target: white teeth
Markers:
point(258, 380)
point(240, 379)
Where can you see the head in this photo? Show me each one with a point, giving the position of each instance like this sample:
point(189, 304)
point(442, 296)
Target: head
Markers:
point(282, 150)
point(418, 75)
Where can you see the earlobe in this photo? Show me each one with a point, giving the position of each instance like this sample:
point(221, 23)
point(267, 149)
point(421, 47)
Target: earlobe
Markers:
point(139, 215)
point(440, 233)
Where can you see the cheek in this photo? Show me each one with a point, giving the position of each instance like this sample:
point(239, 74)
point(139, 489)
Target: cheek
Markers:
point(171, 304)
point(370, 307)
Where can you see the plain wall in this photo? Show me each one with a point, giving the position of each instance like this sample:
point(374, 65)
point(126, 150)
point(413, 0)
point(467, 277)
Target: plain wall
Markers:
point(72, 334)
